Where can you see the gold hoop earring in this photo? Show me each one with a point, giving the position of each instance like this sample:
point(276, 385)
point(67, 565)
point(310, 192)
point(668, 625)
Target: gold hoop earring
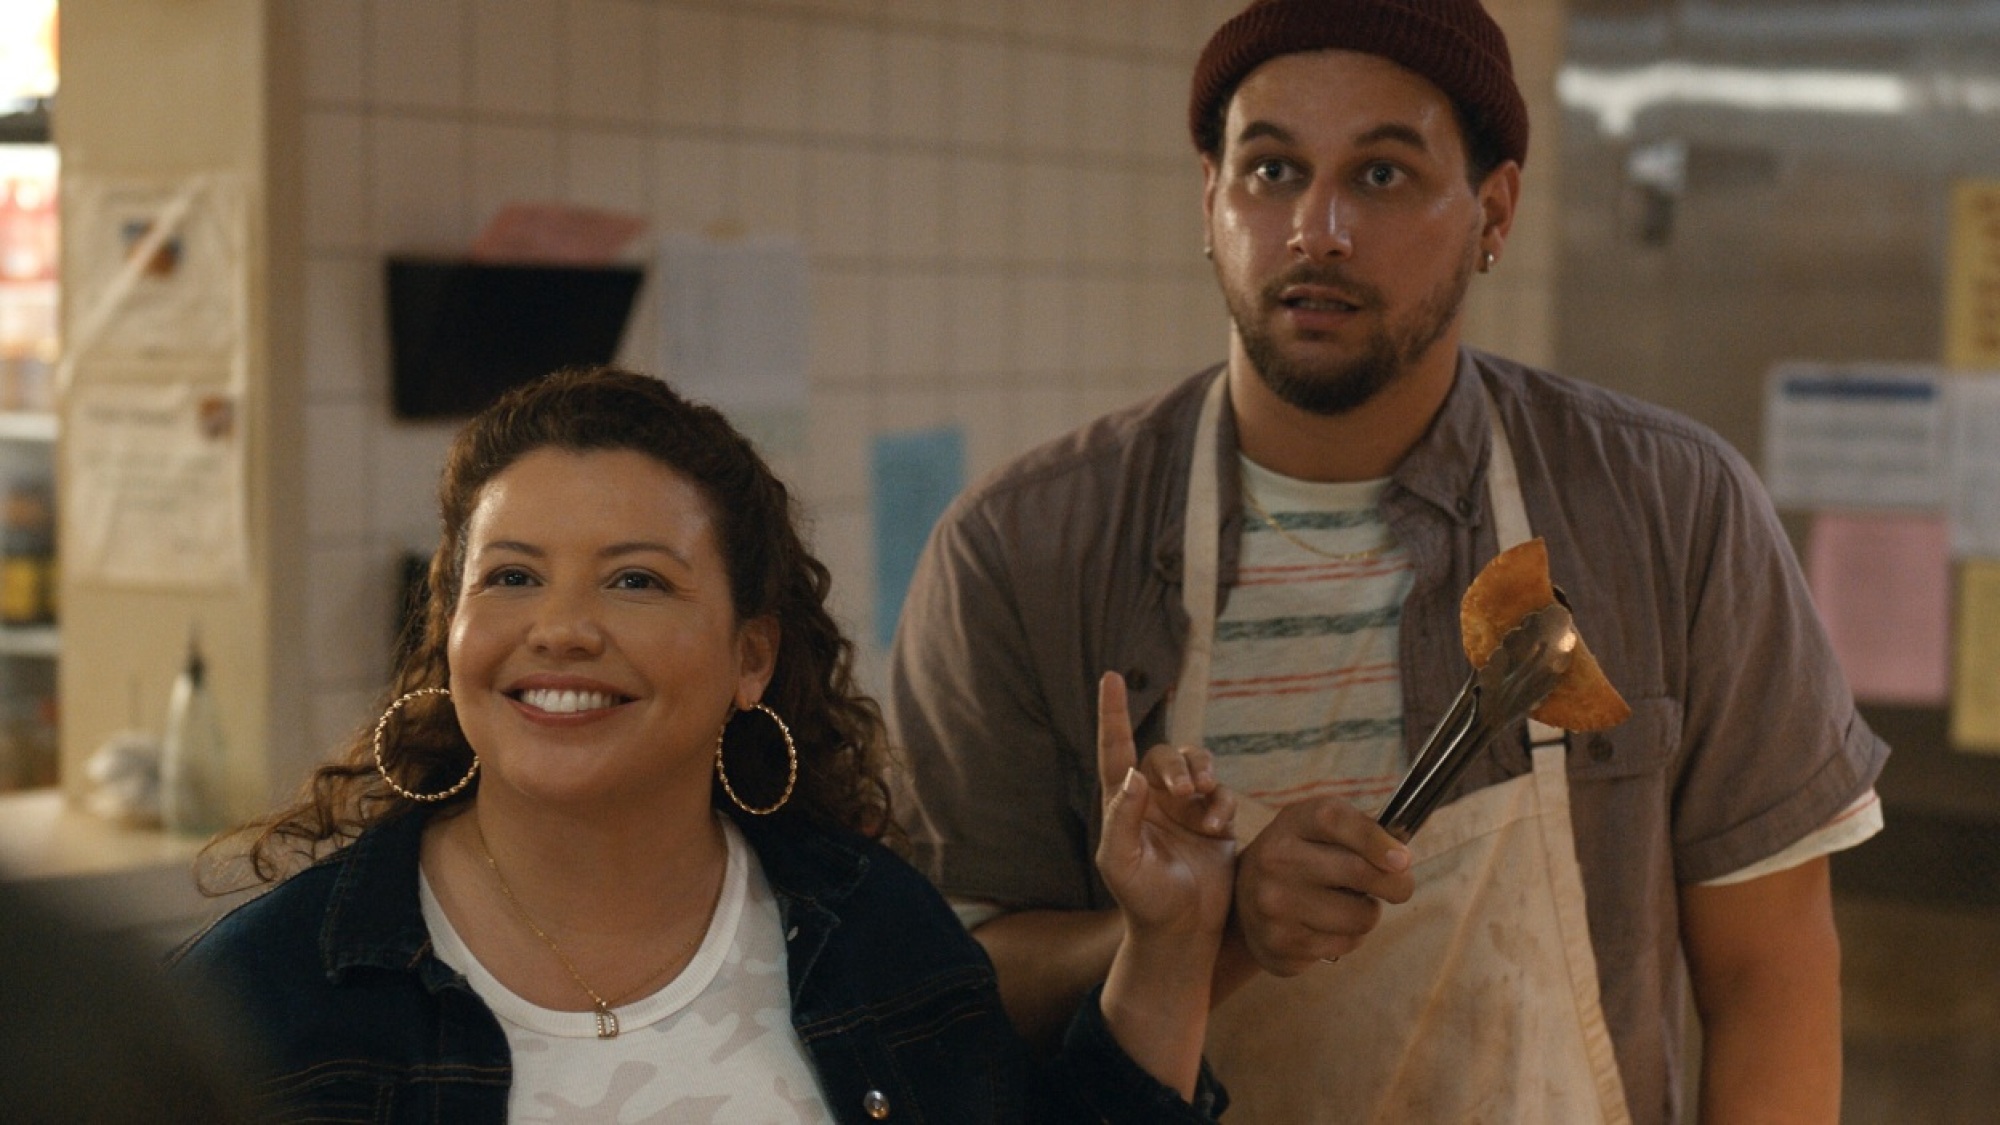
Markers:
point(382, 768)
point(791, 765)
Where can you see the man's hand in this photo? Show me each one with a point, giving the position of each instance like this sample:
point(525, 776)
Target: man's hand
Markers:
point(1312, 884)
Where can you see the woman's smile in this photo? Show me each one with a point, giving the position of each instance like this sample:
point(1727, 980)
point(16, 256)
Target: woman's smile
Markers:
point(558, 702)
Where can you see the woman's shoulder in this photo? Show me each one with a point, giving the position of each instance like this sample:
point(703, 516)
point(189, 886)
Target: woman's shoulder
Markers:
point(264, 924)
point(361, 895)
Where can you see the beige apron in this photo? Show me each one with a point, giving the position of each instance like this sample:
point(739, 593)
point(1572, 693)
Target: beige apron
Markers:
point(1477, 1000)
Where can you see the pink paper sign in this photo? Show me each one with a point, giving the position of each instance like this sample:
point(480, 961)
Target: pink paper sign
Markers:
point(1882, 583)
point(558, 234)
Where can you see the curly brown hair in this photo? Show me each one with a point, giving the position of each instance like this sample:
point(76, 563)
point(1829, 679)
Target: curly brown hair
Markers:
point(842, 747)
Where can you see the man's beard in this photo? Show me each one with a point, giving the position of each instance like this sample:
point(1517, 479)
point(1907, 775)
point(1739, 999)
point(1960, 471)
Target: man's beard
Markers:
point(1389, 351)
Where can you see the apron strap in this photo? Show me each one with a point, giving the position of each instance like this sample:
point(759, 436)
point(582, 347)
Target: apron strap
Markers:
point(1200, 566)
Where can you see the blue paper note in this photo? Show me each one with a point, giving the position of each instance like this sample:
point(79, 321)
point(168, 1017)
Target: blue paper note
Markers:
point(915, 475)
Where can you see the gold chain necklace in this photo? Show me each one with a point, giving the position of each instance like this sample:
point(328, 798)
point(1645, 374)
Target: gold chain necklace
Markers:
point(1250, 498)
point(607, 1020)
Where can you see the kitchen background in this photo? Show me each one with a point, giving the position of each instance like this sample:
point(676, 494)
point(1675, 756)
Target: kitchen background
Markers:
point(998, 212)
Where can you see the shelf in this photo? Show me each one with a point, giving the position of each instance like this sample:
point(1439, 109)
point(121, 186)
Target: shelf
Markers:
point(29, 640)
point(16, 425)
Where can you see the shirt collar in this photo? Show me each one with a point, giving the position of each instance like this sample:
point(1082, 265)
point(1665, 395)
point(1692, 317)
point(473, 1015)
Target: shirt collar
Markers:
point(1447, 466)
point(373, 916)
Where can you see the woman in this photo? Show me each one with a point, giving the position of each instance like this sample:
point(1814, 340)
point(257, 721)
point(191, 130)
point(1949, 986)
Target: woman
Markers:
point(612, 851)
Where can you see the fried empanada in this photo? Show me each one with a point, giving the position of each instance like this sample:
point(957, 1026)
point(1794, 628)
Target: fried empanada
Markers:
point(1515, 584)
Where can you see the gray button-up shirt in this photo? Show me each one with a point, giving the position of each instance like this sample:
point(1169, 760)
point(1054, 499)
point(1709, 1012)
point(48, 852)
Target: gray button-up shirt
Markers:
point(1066, 564)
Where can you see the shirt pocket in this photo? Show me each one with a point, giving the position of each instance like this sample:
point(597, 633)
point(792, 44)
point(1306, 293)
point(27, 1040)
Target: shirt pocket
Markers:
point(1643, 744)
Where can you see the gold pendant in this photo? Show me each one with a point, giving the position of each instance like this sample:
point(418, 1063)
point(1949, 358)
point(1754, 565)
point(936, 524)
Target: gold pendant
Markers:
point(607, 1022)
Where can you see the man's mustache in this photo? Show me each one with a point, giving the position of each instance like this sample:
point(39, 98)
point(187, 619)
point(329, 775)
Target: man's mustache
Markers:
point(1323, 276)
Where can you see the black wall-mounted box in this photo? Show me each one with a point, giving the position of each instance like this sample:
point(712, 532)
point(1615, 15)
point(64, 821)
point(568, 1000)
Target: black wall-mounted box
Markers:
point(460, 333)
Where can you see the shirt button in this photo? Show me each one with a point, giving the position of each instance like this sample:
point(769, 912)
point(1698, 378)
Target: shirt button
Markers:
point(1465, 507)
point(1600, 748)
point(875, 1104)
point(1137, 679)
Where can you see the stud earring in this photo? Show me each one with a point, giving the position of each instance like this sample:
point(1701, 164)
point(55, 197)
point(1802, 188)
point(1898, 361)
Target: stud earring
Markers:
point(1487, 265)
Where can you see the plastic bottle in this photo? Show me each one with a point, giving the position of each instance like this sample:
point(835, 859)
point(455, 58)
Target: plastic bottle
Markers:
point(193, 765)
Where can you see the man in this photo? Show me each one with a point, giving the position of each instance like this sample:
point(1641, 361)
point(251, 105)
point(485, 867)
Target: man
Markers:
point(1272, 554)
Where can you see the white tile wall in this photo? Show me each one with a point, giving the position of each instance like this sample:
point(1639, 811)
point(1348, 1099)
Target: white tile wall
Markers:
point(344, 615)
point(982, 15)
point(692, 66)
point(770, 69)
point(842, 208)
point(981, 329)
point(916, 95)
point(608, 61)
point(913, 334)
point(418, 188)
point(419, 56)
point(507, 161)
point(909, 194)
point(345, 337)
point(843, 328)
point(767, 193)
point(980, 210)
point(996, 199)
point(516, 57)
point(336, 69)
point(336, 176)
point(608, 168)
point(979, 87)
point(843, 82)
point(337, 455)
point(692, 178)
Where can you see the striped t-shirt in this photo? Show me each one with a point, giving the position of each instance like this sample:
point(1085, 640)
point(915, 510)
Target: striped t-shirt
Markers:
point(1304, 693)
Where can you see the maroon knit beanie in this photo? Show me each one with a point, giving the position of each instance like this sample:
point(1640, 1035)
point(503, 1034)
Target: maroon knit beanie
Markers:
point(1453, 43)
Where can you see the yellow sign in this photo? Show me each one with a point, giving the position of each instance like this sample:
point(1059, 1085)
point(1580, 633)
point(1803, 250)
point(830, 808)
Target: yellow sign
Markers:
point(1972, 283)
point(1975, 697)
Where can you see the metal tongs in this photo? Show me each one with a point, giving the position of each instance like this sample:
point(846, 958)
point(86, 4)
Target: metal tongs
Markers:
point(1518, 676)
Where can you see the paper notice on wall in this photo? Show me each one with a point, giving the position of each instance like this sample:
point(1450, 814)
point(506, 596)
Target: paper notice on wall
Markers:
point(1972, 277)
point(155, 482)
point(1975, 465)
point(916, 475)
point(1882, 584)
point(1855, 436)
point(733, 316)
point(1975, 689)
point(154, 271)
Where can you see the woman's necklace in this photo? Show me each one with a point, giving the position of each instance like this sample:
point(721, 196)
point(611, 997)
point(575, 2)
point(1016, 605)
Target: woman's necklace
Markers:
point(1250, 498)
point(607, 1020)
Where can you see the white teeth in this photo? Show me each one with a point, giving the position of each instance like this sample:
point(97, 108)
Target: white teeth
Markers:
point(565, 702)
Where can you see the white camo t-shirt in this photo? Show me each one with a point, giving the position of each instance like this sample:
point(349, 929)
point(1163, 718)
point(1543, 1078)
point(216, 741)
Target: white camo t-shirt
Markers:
point(715, 1046)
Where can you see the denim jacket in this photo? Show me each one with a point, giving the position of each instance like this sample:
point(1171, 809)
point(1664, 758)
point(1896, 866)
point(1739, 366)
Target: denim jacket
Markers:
point(895, 1003)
